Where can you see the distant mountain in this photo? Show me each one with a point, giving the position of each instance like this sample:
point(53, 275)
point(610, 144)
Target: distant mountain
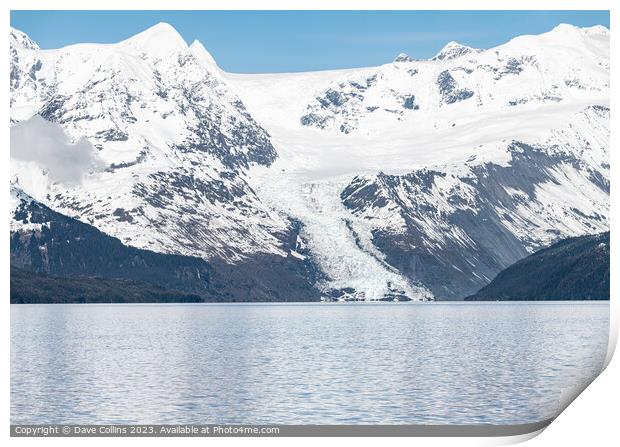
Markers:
point(572, 269)
point(563, 65)
point(452, 50)
point(416, 179)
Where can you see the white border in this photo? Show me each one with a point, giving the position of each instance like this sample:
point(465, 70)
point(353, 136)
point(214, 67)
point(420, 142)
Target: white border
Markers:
point(591, 419)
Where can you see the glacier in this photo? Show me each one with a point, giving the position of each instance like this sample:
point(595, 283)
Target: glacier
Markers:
point(417, 179)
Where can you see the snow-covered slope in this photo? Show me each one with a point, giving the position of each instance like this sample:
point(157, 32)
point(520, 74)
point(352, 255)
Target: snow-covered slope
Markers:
point(46, 242)
point(453, 226)
point(416, 178)
point(565, 65)
point(442, 171)
point(174, 140)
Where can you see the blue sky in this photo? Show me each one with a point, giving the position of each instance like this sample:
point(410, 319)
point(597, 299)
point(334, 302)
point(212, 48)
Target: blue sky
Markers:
point(277, 41)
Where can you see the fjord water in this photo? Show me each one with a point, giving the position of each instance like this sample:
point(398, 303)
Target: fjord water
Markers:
point(390, 363)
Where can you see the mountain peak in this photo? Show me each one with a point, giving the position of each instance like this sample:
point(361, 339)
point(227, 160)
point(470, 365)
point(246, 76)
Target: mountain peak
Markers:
point(596, 29)
point(21, 40)
point(565, 27)
point(568, 28)
point(452, 50)
point(203, 56)
point(402, 57)
point(158, 40)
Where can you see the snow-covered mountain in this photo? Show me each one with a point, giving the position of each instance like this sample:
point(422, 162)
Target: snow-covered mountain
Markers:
point(417, 178)
point(174, 140)
point(441, 171)
point(453, 226)
point(566, 64)
point(452, 50)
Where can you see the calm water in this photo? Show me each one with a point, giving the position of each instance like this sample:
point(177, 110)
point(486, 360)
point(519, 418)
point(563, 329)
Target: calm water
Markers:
point(392, 363)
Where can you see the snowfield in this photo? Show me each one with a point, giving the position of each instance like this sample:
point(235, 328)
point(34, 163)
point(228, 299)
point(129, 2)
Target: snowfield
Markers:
point(418, 179)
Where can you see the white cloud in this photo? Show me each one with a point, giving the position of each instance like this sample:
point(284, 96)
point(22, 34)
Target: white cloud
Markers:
point(44, 142)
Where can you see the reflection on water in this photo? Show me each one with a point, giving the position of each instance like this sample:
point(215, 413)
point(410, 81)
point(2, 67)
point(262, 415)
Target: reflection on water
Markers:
point(397, 363)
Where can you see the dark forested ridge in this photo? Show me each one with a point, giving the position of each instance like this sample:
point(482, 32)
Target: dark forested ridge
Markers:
point(38, 288)
point(572, 269)
point(67, 247)
point(74, 256)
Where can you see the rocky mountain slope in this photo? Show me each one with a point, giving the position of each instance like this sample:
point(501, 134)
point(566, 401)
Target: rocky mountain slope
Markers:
point(454, 227)
point(76, 256)
point(173, 140)
point(412, 180)
point(572, 269)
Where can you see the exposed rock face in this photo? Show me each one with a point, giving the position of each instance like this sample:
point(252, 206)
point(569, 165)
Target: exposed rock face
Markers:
point(454, 50)
point(402, 57)
point(449, 89)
